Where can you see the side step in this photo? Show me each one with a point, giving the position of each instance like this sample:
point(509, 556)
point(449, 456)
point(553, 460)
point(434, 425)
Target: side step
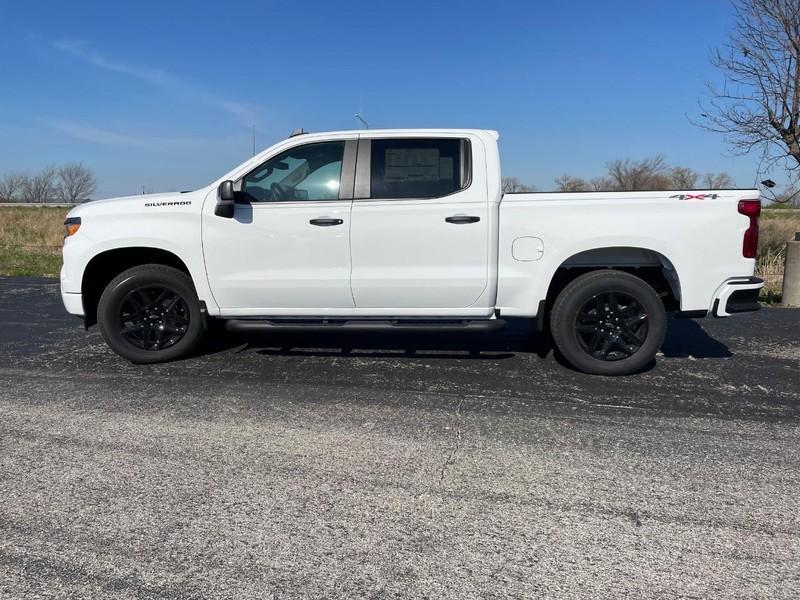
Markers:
point(322, 325)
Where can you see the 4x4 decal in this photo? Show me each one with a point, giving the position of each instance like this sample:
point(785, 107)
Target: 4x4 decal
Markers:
point(695, 196)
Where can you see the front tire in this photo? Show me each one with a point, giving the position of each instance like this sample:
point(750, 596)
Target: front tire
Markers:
point(151, 314)
point(608, 323)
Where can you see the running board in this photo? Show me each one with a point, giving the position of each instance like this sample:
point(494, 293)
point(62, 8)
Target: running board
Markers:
point(320, 325)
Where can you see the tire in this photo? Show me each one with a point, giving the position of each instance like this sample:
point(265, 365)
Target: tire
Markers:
point(608, 323)
point(151, 314)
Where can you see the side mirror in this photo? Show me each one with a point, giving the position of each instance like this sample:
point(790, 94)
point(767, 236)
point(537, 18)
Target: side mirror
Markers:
point(225, 200)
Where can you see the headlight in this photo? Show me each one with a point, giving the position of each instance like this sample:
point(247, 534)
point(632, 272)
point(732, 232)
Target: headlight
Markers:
point(71, 226)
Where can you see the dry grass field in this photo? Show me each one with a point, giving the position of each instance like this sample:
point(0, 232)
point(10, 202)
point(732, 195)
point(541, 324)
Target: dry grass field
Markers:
point(30, 240)
point(30, 243)
point(777, 227)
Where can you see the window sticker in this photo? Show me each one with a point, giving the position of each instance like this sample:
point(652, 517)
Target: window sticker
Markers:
point(414, 164)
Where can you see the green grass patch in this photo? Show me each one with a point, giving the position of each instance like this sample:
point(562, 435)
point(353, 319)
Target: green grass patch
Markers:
point(29, 262)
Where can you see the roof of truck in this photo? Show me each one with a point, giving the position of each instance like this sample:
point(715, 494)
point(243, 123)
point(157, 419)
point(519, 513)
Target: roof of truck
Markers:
point(408, 131)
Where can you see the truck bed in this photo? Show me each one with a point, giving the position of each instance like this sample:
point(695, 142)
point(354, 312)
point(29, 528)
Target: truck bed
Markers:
point(700, 231)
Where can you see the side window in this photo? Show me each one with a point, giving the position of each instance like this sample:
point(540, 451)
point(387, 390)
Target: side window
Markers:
point(418, 168)
point(310, 172)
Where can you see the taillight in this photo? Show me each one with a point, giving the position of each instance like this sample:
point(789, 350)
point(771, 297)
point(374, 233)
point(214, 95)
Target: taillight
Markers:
point(750, 208)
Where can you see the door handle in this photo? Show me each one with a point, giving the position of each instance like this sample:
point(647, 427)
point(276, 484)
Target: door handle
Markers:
point(462, 219)
point(326, 222)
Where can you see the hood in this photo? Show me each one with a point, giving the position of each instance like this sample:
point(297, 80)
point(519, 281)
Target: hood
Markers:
point(127, 204)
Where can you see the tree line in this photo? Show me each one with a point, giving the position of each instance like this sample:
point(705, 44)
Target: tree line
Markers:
point(70, 183)
point(633, 175)
point(643, 175)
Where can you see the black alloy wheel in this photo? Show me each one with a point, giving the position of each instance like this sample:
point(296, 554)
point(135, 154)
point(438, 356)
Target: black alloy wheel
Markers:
point(151, 314)
point(611, 326)
point(608, 322)
point(153, 317)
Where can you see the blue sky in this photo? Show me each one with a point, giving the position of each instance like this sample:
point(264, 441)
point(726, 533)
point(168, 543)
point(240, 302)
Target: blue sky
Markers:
point(164, 94)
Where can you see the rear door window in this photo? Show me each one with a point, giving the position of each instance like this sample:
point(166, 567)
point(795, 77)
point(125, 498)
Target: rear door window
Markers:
point(418, 168)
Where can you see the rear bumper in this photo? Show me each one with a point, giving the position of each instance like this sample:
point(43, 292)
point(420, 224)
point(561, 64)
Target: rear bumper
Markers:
point(737, 295)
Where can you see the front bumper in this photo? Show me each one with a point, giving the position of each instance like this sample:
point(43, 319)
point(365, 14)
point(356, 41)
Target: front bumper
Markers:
point(73, 303)
point(737, 295)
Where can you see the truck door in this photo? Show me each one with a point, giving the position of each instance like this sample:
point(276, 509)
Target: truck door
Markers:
point(419, 231)
point(287, 246)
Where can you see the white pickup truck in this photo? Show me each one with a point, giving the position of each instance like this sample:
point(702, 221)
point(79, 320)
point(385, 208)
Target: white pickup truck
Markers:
point(407, 229)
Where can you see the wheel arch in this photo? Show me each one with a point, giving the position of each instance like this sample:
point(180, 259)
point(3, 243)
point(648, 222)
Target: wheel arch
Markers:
point(106, 265)
point(647, 264)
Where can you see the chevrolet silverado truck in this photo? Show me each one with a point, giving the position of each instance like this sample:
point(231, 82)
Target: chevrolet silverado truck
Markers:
point(406, 229)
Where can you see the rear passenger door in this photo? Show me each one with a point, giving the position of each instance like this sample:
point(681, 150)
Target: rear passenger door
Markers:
point(419, 224)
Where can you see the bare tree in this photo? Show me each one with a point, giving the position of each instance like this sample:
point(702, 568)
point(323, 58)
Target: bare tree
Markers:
point(512, 185)
point(568, 183)
point(601, 184)
point(41, 187)
point(717, 181)
point(75, 183)
point(758, 106)
point(790, 195)
point(11, 187)
point(683, 178)
point(647, 174)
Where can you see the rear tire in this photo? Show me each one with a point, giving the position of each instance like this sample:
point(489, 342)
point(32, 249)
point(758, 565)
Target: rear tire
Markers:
point(608, 323)
point(151, 314)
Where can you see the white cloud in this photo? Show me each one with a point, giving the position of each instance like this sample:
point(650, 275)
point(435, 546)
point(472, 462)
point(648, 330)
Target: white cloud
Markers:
point(96, 135)
point(241, 111)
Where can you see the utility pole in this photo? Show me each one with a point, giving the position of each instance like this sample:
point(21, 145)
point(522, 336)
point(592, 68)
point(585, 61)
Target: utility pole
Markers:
point(791, 273)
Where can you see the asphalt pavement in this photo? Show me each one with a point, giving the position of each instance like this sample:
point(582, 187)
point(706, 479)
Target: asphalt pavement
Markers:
point(396, 466)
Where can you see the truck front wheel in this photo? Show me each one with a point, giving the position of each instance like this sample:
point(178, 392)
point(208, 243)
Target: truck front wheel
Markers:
point(151, 314)
point(608, 323)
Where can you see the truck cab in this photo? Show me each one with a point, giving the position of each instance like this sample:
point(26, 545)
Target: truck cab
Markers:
point(357, 224)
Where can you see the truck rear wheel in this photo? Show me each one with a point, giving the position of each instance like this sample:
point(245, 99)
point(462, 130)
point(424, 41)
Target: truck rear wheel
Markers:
point(608, 323)
point(151, 314)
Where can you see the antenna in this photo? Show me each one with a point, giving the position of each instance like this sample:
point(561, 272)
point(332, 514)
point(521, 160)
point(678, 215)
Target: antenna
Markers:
point(254, 140)
point(363, 122)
